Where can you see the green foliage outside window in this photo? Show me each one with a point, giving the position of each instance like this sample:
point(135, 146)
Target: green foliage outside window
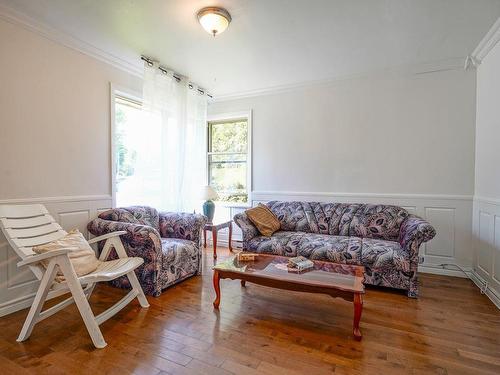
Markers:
point(227, 160)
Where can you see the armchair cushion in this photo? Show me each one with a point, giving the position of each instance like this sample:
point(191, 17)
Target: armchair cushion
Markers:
point(184, 226)
point(180, 260)
point(143, 215)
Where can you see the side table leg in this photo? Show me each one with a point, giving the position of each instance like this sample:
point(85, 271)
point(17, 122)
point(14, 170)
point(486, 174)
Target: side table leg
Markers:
point(230, 236)
point(358, 309)
point(216, 281)
point(214, 240)
point(204, 238)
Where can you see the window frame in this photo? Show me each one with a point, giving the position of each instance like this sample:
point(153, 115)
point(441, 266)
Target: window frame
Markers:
point(233, 116)
point(117, 91)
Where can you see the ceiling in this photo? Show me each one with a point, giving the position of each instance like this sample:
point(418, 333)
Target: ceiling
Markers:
point(272, 43)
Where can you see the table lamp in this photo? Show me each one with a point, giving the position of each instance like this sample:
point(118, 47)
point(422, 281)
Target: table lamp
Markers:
point(208, 194)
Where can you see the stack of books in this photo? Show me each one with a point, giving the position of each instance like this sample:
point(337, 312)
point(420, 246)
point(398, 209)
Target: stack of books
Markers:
point(300, 263)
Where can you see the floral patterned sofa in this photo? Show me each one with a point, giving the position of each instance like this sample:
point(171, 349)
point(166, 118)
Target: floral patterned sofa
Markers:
point(168, 242)
point(385, 239)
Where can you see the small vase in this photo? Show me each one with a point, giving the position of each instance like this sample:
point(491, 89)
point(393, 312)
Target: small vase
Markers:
point(209, 210)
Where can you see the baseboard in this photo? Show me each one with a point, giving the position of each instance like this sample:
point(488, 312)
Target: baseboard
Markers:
point(24, 302)
point(489, 292)
point(437, 270)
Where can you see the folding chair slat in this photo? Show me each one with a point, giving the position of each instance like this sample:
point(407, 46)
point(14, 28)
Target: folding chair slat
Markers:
point(34, 232)
point(39, 240)
point(22, 211)
point(27, 223)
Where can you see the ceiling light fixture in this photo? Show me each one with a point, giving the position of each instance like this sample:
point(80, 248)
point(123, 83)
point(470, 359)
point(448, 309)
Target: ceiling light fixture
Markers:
point(214, 20)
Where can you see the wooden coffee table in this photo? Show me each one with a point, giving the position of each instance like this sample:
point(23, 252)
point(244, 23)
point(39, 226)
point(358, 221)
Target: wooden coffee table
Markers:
point(337, 280)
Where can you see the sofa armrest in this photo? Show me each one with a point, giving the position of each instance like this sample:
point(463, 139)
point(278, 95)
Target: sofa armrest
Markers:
point(248, 230)
point(184, 226)
point(413, 232)
point(139, 240)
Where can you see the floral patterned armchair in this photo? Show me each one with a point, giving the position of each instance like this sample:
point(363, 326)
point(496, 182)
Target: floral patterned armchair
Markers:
point(169, 243)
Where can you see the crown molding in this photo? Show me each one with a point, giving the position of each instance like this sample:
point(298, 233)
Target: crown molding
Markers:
point(402, 70)
point(488, 42)
point(28, 23)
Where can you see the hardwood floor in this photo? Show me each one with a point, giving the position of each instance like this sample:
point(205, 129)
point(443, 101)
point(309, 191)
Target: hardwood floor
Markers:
point(451, 329)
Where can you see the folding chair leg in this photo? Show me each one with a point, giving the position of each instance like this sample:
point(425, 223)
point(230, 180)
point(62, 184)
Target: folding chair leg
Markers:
point(40, 297)
point(82, 303)
point(137, 287)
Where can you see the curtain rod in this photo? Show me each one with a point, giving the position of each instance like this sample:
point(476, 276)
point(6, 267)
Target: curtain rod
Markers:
point(176, 76)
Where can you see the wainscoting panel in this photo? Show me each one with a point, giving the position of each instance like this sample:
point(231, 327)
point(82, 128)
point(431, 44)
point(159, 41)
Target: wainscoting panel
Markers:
point(18, 285)
point(451, 215)
point(443, 244)
point(486, 231)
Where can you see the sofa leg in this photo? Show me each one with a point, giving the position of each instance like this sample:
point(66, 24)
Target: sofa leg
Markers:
point(413, 291)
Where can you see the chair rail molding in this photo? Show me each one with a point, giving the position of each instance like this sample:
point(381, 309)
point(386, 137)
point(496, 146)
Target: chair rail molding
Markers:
point(18, 285)
point(451, 215)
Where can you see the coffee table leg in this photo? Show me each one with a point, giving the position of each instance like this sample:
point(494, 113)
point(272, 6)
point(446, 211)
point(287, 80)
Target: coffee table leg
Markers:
point(217, 289)
point(358, 309)
point(214, 240)
point(243, 283)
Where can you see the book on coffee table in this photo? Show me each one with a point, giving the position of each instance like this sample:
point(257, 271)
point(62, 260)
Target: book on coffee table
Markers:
point(300, 263)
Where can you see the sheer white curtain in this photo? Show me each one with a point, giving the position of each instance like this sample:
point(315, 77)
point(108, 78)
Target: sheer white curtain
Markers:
point(179, 115)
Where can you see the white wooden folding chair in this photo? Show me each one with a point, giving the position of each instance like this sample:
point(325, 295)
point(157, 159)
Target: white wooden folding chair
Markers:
point(26, 226)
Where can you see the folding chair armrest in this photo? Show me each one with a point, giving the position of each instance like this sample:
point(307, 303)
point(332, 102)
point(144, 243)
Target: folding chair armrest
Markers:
point(39, 257)
point(106, 236)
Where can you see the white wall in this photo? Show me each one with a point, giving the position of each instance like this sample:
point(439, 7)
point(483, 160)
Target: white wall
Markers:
point(54, 139)
point(487, 182)
point(405, 139)
point(390, 134)
point(54, 118)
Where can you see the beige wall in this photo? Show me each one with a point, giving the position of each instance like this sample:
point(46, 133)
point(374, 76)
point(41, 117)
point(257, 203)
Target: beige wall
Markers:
point(407, 134)
point(54, 118)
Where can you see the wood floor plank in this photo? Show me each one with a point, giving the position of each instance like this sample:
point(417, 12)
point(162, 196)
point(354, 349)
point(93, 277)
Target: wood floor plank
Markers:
point(450, 329)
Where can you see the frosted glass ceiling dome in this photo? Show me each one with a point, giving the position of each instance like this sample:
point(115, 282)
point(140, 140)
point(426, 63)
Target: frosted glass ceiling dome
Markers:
point(214, 20)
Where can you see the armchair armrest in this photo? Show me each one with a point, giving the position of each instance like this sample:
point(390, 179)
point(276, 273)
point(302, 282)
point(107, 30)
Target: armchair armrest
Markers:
point(106, 236)
point(39, 257)
point(413, 232)
point(248, 230)
point(139, 240)
point(182, 225)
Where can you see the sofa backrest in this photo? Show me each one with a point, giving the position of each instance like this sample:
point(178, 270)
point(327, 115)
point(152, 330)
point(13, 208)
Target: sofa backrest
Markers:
point(345, 219)
point(142, 215)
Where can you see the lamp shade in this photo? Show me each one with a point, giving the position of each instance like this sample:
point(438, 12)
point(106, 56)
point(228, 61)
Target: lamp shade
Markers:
point(208, 193)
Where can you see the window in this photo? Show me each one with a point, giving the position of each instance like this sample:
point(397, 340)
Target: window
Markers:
point(228, 159)
point(137, 172)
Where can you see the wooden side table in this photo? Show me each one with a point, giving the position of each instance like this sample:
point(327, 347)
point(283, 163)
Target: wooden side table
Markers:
point(215, 228)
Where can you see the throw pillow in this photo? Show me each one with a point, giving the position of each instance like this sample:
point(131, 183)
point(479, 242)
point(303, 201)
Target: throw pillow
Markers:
point(263, 218)
point(81, 256)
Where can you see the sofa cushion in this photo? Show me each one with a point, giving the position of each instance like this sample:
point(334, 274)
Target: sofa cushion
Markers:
point(337, 249)
point(280, 243)
point(180, 258)
point(293, 216)
point(142, 215)
point(377, 221)
point(382, 254)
